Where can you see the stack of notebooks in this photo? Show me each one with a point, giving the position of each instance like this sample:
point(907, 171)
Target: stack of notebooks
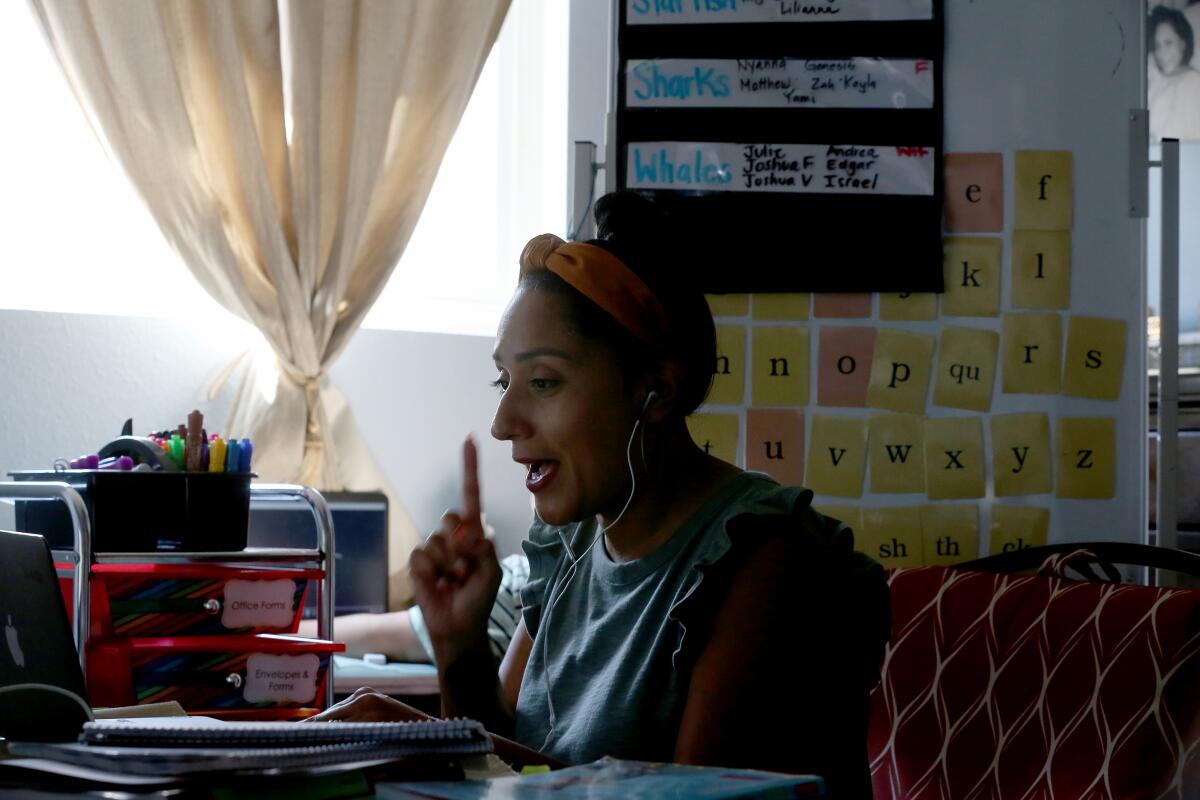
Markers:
point(171, 747)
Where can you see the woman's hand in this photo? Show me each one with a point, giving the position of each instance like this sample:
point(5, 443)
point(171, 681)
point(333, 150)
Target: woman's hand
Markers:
point(456, 573)
point(368, 705)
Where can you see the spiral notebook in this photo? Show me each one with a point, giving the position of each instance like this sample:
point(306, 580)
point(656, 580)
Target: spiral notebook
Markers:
point(171, 747)
point(436, 736)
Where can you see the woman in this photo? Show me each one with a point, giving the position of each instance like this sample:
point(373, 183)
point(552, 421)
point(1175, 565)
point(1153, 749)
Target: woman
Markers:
point(678, 608)
point(1174, 87)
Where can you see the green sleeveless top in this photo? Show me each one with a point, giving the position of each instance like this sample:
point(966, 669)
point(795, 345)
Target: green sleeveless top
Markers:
point(610, 665)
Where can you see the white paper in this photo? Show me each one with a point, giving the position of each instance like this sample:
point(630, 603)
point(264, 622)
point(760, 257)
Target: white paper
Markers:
point(790, 168)
point(779, 83)
point(692, 12)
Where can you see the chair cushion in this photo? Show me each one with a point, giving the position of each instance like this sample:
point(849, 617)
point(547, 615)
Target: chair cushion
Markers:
point(998, 686)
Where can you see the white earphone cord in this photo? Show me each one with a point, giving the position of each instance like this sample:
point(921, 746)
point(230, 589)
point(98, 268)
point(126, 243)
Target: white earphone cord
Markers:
point(571, 570)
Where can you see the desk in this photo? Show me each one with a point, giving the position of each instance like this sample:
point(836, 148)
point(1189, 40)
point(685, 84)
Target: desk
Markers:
point(396, 678)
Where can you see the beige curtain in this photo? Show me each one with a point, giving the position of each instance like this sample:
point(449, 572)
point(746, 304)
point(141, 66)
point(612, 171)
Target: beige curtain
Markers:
point(285, 148)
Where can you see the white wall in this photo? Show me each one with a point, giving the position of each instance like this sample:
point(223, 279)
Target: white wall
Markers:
point(71, 380)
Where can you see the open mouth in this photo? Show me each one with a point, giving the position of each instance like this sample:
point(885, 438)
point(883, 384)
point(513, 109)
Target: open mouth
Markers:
point(540, 474)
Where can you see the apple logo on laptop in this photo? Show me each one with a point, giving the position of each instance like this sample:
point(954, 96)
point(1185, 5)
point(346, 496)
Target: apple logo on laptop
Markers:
point(14, 646)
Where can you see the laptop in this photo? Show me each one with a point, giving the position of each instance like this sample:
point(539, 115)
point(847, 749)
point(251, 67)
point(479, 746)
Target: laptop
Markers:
point(42, 692)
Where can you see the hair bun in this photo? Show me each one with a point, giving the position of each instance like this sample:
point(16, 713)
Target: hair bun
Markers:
point(629, 217)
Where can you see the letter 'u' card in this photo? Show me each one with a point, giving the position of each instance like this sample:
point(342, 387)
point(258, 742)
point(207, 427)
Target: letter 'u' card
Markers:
point(775, 444)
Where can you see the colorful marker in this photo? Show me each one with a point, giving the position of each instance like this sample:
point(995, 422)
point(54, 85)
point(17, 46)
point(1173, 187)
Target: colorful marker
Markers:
point(216, 455)
point(231, 455)
point(246, 451)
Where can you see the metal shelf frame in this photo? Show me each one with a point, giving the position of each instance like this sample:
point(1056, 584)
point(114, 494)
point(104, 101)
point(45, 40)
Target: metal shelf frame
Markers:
point(83, 557)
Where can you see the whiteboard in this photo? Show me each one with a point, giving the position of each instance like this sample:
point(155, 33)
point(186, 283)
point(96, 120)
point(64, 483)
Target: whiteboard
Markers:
point(1032, 75)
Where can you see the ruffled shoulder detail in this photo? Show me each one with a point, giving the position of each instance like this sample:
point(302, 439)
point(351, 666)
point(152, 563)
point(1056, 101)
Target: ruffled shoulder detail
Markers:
point(546, 549)
point(762, 509)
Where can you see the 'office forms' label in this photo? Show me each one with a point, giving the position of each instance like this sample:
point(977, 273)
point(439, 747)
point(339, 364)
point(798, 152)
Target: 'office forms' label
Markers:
point(281, 679)
point(258, 604)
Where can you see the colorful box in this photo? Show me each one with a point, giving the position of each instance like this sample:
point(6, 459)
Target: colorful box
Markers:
point(191, 599)
point(221, 674)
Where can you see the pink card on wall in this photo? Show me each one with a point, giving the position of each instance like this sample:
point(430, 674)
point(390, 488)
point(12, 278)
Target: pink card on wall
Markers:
point(775, 444)
point(844, 365)
point(974, 192)
point(843, 306)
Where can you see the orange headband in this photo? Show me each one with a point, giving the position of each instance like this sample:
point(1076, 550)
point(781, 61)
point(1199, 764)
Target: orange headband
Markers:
point(601, 277)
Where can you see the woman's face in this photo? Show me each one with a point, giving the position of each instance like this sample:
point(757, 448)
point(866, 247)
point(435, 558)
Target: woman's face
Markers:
point(1168, 49)
point(566, 407)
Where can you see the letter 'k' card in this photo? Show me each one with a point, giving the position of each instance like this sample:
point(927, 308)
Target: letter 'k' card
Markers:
point(954, 458)
point(837, 455)
point(971, 266)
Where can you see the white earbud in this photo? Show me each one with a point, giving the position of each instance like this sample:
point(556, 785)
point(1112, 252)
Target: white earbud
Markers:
point(650, 398)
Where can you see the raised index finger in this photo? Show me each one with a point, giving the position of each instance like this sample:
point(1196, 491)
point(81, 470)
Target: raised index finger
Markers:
point(472, 525)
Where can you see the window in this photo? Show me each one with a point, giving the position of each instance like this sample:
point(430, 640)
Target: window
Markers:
point(78, 238)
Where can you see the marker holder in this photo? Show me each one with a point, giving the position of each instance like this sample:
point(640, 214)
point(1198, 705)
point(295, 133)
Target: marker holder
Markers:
point(195, 512)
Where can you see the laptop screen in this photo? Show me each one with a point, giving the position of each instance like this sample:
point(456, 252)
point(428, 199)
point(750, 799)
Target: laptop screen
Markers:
point(38, 659)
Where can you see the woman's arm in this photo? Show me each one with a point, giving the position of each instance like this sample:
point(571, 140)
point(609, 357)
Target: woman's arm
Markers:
point(471, 686)
point(784, 678)
point(390, 633)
